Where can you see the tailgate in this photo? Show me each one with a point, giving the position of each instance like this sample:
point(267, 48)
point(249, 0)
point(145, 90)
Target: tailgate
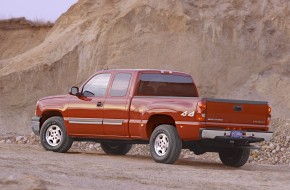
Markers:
point(236, 111)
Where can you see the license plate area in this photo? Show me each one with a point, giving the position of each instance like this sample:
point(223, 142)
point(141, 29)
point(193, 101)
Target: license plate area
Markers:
point(236, 134)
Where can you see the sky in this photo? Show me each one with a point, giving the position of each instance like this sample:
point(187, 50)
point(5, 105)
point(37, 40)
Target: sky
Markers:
point(45, 10)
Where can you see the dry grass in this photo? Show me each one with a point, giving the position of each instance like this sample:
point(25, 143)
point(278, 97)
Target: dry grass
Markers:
point(23, 21)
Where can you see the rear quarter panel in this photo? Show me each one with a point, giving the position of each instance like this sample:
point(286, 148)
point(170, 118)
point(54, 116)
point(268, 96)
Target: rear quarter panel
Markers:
point(142, 108)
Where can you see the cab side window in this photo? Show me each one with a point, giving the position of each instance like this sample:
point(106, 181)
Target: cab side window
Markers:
point(97, 86)
point(120, 85)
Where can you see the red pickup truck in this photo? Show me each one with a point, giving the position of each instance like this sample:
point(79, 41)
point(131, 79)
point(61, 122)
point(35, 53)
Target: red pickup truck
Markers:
point(118, 108)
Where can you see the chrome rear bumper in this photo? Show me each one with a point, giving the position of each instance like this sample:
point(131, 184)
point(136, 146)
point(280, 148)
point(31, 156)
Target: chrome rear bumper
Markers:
point(212, 134)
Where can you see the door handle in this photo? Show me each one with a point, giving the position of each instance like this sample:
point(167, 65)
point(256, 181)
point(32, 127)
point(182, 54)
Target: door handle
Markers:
point(99, 104)
point(238, 108)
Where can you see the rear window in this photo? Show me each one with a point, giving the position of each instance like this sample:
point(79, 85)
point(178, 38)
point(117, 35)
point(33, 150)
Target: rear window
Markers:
point(166, 85)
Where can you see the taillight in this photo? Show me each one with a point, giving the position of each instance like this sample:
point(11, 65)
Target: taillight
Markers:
point(269, 115)
point(200, 110)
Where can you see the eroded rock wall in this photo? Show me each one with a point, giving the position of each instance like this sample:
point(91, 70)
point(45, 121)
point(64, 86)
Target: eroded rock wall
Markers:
point(233, 49)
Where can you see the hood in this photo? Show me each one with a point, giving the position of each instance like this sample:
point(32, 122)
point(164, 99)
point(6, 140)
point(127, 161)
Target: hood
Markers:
point(54, 97)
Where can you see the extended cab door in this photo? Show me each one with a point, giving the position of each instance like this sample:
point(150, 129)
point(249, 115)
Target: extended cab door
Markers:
point(116, 106)
point(85, 112)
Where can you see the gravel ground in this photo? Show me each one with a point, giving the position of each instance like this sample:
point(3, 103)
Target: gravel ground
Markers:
point(276, 152)
point(24, 164)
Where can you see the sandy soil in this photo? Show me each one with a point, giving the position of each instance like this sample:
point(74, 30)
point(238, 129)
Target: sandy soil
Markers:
point(30, 167)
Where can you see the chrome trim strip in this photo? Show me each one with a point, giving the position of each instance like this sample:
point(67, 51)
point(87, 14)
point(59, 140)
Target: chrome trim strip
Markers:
point(93, 121)
point(113, 121)
point(188, 123)
point(211, 134)
point(139, 121)
point(86, 122)
point(215, 119)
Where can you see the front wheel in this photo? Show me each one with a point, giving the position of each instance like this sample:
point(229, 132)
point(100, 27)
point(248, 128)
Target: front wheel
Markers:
point(165, 144)
point(235, 157)
point(53, 135)
point(117, 149)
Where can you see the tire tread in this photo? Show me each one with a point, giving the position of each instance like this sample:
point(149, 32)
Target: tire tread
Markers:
point(239, 160)
point(174, 151)
point(67, 140)
point(121, 150)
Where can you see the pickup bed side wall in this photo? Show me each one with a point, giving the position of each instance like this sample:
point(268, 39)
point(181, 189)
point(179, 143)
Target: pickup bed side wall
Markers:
point(144, 109)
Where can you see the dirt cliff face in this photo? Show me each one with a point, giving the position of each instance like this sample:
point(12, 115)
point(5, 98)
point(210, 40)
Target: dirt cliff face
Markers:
point(18, 35)
point(233, 49)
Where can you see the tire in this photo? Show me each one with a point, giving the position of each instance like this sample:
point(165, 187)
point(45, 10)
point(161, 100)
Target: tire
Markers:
point(116, 149)
point(53, 135)
point(235, 157)
point(165, 144)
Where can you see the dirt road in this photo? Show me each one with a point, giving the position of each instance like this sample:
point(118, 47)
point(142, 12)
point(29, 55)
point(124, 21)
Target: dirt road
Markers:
point(30, 167)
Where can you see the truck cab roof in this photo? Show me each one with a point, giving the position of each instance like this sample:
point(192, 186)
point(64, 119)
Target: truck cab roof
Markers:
point(144, 70)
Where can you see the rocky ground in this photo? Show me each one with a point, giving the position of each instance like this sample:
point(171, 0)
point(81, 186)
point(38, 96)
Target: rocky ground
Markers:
point(276, 152)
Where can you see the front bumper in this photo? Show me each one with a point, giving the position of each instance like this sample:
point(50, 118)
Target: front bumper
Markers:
point(35, 125)
point(226, 135)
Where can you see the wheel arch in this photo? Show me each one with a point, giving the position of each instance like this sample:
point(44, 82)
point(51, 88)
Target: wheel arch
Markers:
point(156, 120)
point(48, 114)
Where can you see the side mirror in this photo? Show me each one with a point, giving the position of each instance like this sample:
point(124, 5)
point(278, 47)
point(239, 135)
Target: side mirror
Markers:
point(74, 91)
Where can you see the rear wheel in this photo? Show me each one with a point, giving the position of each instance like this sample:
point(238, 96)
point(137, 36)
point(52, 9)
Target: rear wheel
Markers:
point(53, 135)
point(165, 144)
point(235, 157)
point(117, 149)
